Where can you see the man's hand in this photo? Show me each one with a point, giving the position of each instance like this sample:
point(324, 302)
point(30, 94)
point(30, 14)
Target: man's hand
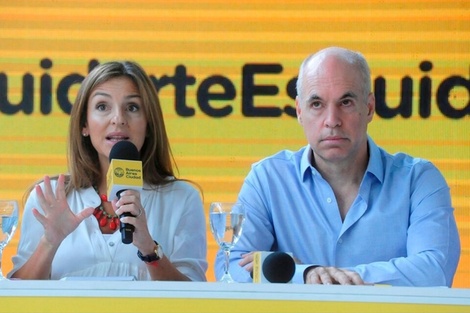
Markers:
point(247, 261)
point(332, 275)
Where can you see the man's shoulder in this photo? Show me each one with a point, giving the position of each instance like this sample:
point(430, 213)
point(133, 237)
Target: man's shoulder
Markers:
point(402, 161)
point(285, 156)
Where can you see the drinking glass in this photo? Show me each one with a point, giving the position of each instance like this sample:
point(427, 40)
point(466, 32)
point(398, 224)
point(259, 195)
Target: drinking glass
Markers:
point(8, 223)
point(226, 220)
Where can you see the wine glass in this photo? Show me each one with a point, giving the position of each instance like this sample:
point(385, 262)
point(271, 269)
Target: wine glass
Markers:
point(8, 223)
point(226, 220)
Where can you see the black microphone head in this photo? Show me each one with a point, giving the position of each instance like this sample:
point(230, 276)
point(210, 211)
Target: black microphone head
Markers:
point(278, 267)
point(124, 150)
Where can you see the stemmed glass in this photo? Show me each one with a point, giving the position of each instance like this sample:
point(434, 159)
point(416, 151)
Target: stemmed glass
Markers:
point(226, 220)
point(8, 223)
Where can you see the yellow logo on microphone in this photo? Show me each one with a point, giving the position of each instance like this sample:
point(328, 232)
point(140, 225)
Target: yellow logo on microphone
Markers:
point(123, 174)
point(119, 172)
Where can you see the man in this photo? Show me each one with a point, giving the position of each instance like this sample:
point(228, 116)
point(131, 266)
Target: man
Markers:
point(341, 203)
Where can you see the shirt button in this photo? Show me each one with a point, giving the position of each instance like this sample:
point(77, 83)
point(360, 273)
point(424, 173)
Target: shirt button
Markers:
point(340, 240)
point(328, 200)
point(111, 244)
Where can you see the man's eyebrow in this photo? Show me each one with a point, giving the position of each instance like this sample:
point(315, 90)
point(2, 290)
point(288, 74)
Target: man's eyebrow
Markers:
point(349, 94)
point(313, 97)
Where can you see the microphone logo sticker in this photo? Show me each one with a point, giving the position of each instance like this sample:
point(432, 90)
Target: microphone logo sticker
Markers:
point(119, 172)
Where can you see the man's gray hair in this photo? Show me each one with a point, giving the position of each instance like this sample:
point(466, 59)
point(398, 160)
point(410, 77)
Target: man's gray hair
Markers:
point(349, 56)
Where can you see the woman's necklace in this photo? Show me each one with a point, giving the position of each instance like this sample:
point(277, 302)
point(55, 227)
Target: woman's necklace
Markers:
point(104, 217)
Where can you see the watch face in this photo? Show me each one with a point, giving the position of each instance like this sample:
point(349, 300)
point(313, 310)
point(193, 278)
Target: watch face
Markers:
point(155, 256)
point(159, 252)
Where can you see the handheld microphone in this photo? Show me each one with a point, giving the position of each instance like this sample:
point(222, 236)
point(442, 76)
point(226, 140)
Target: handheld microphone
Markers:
point(125, 172)
point(273, 267)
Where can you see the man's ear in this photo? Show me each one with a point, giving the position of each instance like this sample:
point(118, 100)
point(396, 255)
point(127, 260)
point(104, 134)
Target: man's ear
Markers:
point(298, 110)
point(371, 104)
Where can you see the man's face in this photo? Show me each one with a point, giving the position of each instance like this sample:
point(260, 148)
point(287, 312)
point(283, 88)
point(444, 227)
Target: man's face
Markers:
point(333, 109)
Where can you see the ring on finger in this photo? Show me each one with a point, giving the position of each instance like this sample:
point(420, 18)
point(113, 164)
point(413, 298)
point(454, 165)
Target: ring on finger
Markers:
point(140, 213)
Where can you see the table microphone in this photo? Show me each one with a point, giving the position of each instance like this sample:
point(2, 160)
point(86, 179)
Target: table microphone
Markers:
point(125, 172)
point(273, 267)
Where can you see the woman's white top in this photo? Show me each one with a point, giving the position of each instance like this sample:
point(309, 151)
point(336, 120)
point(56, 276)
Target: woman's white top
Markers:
point(175, 218)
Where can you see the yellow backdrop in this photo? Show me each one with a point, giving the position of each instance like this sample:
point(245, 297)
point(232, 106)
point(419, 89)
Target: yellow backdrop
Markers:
point(208, 56)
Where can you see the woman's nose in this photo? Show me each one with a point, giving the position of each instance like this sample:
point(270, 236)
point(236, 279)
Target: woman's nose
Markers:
point(119, 118)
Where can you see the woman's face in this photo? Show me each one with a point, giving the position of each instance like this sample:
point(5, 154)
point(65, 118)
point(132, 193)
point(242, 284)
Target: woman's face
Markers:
point(114, 113)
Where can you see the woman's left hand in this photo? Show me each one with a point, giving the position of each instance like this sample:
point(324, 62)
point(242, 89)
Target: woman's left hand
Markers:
point(129, 202)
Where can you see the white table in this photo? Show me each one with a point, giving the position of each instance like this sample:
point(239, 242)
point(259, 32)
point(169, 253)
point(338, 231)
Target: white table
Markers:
point(136, 296)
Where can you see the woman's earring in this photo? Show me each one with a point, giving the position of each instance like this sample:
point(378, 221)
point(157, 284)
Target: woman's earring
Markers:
point(84, 134)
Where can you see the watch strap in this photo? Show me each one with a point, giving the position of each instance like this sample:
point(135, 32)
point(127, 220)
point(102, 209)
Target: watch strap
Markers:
point(152, 257)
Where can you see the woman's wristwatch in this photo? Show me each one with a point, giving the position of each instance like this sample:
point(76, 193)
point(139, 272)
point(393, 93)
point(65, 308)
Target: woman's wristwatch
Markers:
point(152, 258)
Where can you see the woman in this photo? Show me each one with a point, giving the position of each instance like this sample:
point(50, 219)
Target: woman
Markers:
point(69, 229)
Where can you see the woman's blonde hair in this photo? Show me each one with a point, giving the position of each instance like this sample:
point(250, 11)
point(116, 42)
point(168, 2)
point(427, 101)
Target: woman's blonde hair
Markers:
point(157, 159)
point(156, 155)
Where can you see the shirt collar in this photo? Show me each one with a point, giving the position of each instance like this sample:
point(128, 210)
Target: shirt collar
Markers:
point(90, 197)
point(306, 163)
point(374, 167)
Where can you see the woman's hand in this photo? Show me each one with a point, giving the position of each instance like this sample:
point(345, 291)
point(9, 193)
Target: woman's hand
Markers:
point(129, 202)
point(58, 220)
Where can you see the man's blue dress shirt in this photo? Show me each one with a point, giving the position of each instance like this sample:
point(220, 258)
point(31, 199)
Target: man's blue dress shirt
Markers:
point(400, 229)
